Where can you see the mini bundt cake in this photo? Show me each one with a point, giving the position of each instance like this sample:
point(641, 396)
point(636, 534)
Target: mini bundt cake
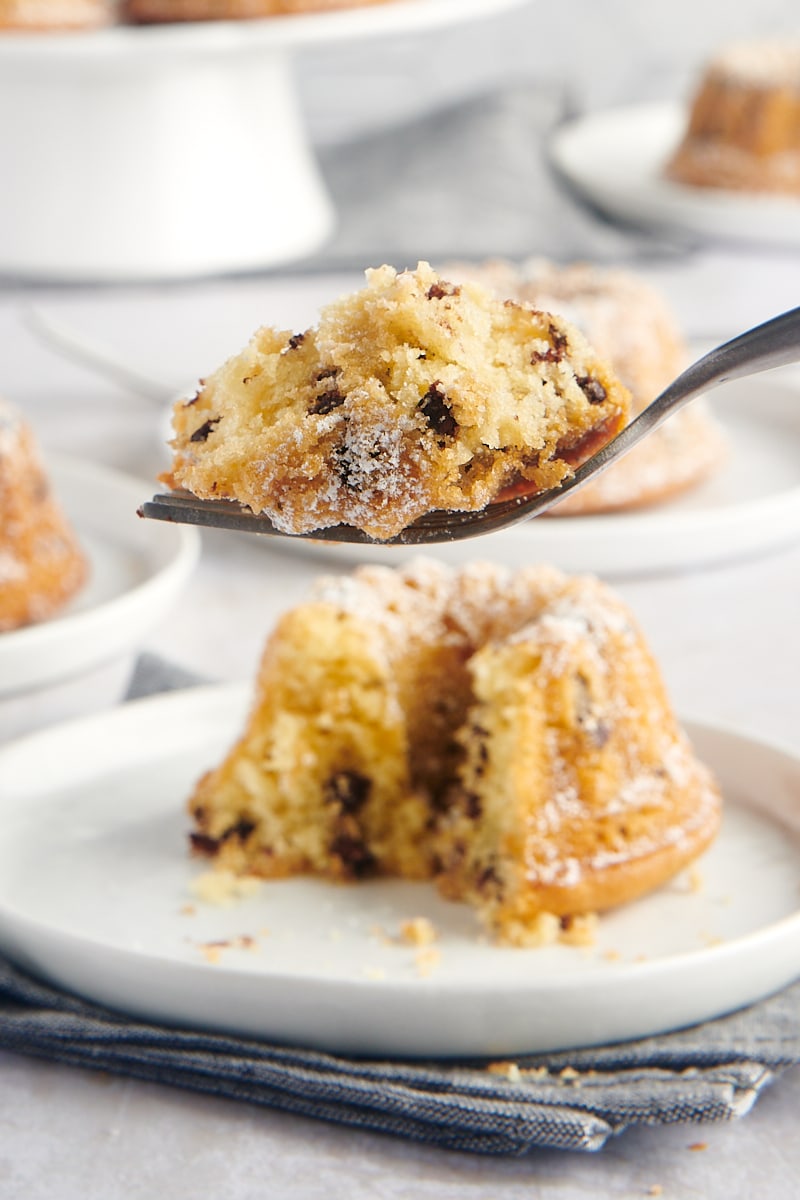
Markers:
point(151, 11)
point(41, 563)
point(506, 734)
point(413, 394)
point(629, 324)
point(743, 131)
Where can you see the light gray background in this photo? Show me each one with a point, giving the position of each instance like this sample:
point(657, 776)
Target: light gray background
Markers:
point(606, 51)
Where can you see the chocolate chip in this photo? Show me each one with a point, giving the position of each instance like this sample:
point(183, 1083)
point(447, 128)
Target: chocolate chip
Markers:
point(354, 855)
point(592, 388)
point(488, 879)
point(349, 790)
point(296, 340)
point(555, 351)
point(201, 843)
point(201, 434)
point(327, 373)
point(438, 291)
point(472, 805)
point(436, 410)
point(327, 402)
point(241, 830)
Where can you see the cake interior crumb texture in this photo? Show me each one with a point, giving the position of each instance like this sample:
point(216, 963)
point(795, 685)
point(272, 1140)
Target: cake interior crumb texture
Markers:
point(505, 734)
point(412, 394)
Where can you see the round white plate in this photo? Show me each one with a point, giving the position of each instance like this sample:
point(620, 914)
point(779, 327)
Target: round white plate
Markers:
point(615, 158)
point(106, 49)
point(95, 896)
point(750, 506)
point(136, 570)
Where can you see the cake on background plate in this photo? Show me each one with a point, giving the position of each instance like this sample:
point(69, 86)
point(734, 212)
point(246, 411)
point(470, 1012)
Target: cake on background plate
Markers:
point(411, 395)
point(629, 323)
point(43, 16)
point(743, 130)
point(151, 11)
point(41, 563)
point(504, 734)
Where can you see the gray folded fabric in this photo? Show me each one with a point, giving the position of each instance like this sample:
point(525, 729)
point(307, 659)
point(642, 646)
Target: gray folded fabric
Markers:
point(471, 181)
point(570, 1100)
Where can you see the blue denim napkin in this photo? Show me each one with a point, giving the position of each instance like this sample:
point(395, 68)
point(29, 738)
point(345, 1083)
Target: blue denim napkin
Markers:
point(571, 1100)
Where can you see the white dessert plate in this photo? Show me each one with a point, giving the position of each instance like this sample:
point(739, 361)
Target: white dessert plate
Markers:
point(135, 572)
point(95, 895)
point(750, 506)
point(615, 159)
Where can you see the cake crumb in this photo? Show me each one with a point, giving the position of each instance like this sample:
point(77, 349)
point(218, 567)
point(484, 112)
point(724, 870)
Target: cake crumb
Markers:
point(375, 973)
point(696, 880)
point(223, 888)
point(654, 1190)
point(187, 910)
point(418, 931)
point(612, 955)
point(212, 951)
point(427, 959)
point(698, 1146)
point(569, 1075)
point(536, 1073)
point(580, 930)
point(509, 1070)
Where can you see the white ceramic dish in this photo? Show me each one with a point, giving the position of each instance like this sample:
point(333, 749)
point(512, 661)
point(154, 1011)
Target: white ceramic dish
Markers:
point(172, 151)
point(136, 571)
point(616, 157)
point(750, 506)
point(95, 884)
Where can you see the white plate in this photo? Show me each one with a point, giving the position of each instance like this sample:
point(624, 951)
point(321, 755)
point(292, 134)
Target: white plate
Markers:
point(136, 570)
point(615, 158)
point(750, 506)
point(95, 880)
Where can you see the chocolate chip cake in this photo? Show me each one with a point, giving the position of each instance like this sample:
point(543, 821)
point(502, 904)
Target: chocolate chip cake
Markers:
point(630, 324)
point(506, 734)
point(411, 395)
point(743, 130)
point(41, 564)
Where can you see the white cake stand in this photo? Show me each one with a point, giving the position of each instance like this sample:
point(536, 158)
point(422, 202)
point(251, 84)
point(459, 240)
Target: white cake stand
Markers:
point(171, 152)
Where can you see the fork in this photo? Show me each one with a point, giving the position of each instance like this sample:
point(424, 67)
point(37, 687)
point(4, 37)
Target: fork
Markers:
point(775, 343)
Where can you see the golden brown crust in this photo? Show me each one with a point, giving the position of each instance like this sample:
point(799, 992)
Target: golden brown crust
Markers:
point(411, 395)
point(41, 563)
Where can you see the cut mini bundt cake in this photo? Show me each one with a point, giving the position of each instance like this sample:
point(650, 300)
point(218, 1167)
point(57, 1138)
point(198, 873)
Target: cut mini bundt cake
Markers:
point(411, 395)
point(41, 564)
point(629, 323)
point(743, 131)
point(506, 734)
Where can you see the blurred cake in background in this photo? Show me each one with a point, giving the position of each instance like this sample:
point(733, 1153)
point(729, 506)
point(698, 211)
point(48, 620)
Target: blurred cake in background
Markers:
point(151, 11)
point(629, 323)
point(52, 15)
point(41, 564)
point(744, 121)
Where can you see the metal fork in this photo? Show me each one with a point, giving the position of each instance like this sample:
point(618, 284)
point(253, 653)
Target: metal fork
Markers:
point(776, 343)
